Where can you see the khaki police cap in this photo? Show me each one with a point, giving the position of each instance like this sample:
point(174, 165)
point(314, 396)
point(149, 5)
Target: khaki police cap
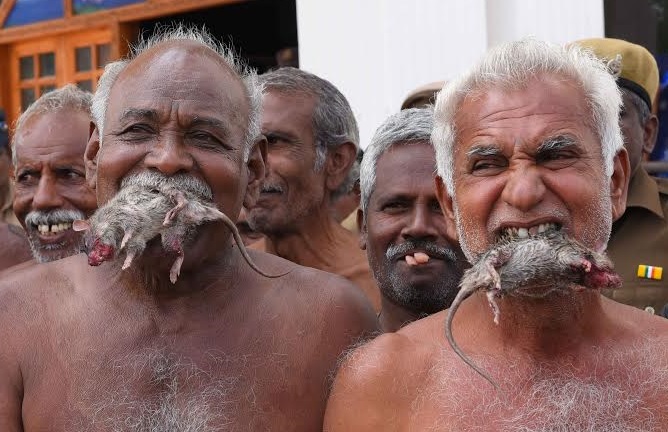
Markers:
point(427, 91)
point(638, 72)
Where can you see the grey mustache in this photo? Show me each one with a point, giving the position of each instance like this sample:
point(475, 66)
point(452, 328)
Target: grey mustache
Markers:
point(38, 217)
point(272, 188)
point(156, 180)
point(432, 249)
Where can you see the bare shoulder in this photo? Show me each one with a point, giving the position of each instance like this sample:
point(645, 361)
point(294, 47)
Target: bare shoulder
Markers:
point(381, 379)
point(638, 322)
point(322, 295)
point(32, 285)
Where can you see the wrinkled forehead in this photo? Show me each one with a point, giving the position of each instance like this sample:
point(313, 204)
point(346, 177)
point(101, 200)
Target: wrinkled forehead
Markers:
point(533, 110)
point(181, 74)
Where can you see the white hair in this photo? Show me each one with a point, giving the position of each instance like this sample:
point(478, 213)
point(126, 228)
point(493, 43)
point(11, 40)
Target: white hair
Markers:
point(174, 33)
point(409, 125)
point(512, 66)
point(69, 97)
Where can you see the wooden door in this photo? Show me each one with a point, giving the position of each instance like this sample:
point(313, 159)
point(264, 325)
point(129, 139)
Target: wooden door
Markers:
point(41, 65)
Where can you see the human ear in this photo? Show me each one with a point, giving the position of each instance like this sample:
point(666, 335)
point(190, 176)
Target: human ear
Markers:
point(90, 156)
point(256, 171)
point(445, 202)
point(650, 130)
point(619, 183)
point(339, 161)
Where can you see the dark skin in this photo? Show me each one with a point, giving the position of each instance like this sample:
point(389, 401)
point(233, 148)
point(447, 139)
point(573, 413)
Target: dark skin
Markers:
point(15, 248)
point(413, 380)
point(403, 209)
point(639, 137)
point(293, 210)
point(248, 352)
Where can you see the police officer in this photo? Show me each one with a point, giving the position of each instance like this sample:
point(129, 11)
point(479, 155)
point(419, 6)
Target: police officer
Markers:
point(639, 241)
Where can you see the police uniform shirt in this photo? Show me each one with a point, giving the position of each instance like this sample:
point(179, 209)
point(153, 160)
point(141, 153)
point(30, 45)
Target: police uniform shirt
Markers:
point(639, 244)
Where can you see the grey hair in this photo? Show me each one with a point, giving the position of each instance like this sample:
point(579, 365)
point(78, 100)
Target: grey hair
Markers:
point(511, 66)
point(405, 127)
point(333, 120)
point(175, 33)
point(68, 97)
point(640, 105)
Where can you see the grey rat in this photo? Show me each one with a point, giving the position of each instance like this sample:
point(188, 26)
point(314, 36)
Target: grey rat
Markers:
point(549, 260)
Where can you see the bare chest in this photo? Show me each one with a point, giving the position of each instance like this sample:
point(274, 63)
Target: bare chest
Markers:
point(212, 381)
point(613, 400)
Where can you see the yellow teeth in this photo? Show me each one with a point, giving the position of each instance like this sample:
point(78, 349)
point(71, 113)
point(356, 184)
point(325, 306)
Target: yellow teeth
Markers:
point(53, 229)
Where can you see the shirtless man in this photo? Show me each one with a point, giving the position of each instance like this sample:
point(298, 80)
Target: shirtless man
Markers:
point(402, 222)
point(221, 348)
point(526, 140)
point(312, 145)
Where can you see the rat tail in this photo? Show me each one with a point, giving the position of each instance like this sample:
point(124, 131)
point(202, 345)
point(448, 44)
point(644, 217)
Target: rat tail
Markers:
point(462, 295)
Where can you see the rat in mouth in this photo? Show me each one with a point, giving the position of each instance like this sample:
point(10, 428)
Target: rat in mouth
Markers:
point(532, 264)
point(148, 206)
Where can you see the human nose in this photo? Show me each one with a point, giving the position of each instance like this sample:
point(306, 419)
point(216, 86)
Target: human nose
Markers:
point(524, 189)
point(420, 224)
point(170, 156)
point(47, 196)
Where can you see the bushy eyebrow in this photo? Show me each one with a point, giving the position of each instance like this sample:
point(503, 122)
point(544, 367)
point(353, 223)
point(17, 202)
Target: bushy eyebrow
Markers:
point(139, 113)
point(483, 150)
point(558, 142)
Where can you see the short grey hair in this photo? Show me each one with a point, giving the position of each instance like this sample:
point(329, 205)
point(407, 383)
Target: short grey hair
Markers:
point(405, 127)
point(175, 33)
point(69, 97)
point(333, 120)
point(640, 105)
point(511, 66)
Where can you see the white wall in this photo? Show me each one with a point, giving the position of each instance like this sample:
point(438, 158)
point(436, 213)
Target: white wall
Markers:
point(559, 21)
point(376, 51)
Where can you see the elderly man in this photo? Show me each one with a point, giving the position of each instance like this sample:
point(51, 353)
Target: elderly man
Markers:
point(14, 247)
point(639, 241)
point(403, 230)
point(312, 144)
point(139, 343)
point(49, 172)
point(532, 174)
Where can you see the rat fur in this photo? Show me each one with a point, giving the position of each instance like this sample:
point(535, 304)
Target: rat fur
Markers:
point(138, 214)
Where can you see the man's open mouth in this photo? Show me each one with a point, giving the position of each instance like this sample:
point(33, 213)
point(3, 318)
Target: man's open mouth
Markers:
point(52, 229)
point(513, 233)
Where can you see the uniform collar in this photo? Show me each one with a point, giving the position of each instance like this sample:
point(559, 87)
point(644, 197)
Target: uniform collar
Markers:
point(644, 193)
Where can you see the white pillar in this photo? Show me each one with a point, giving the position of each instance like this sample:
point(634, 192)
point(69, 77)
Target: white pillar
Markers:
point(376, 51)
point(558, 21)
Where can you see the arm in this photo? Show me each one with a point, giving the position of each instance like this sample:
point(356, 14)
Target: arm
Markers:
point(11, 382)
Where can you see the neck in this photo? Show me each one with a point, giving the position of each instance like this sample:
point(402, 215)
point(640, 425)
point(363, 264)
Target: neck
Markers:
point(149, 274)
point(316, 243)
point(392, 316)
point(547, 327)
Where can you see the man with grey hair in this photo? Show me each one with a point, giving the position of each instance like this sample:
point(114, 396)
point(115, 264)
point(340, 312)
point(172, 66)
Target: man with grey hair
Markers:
point(312, 140)
point(50, 189)
point(417, 266)
point(532, 172)
point(178, 330)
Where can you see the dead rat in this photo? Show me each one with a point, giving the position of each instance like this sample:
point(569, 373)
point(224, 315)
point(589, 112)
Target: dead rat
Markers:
point(547, 260)
point(139, 213)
